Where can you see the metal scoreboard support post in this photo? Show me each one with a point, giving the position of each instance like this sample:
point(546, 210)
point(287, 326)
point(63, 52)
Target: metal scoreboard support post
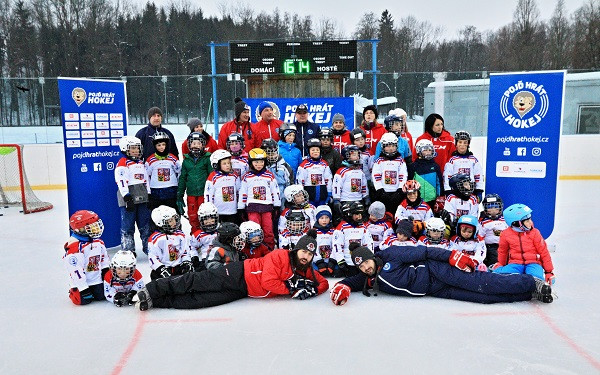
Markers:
point(373, 65)
point(214, 75)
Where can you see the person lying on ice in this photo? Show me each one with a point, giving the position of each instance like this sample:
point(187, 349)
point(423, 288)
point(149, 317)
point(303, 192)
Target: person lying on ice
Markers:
point(430, 271)
point(281, 272)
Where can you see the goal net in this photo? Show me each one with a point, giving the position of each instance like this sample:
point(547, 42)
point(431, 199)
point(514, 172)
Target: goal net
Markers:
point(14, 187)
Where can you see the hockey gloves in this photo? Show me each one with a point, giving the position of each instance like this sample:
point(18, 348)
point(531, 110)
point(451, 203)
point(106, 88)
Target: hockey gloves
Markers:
point(86, 296)
point(129, 205)
point(331, 266)
point(187, 266)
point(337, 208)
point(418, 227)
point(461, 261)
point(446, 216)
point(342, 267)
point(120, 299)
point(322, 267)
point(482, 267)
point(163, 271)
point(180, 206)
point(340, 294)
point(305, 293)
point(550, 279)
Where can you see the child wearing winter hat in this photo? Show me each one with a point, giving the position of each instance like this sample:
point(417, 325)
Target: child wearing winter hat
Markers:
point(378, 228)
point(324, 261)
point(402, 237)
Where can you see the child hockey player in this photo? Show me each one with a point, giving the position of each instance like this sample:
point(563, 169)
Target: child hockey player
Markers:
point(434, 234)
point(358, 138)
point(323, 260)
point(463, 161)
point(468, 242)
point(350, 230)
point(404, 133)
point(393, 124)
point(227, 247)
point(277, 165)
point(132, 182)
point(389, 173)
point(492, 224)
point(522, 248)
point(341, 135)
point(314, 174)
point(259, 194)
point(328, 152)
point(287, 147)
point(427, 173)
point(377, 227)
point(296, 225)
point(167, 249)
point(201, 240)
point(253, 236)
point(413, 208)
point(85, 258)
point(222, 187)
point(123, 280)
point(296, 199)
point(402, 237)
point(460, 201)
point(194, 172)
point(239, 159)
point(163, 171)
point(349, 182)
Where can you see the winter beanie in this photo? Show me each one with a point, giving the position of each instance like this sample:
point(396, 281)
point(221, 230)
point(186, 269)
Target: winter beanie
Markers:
point(377, 209)
point(323, 210)
point(193, 122)
point(338, 117)
point(262, 106)
point(360, 253)
point(405, 227)
point(154, 110)
point(372, 108)
point(239, 107)
point(308, 241)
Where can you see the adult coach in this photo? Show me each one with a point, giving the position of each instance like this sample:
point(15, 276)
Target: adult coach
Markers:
point(145, 134)
point(429, 271)
point(305, 129)
point(240, 124)
point(281, 272)
point(268, 126)
point(443, 141)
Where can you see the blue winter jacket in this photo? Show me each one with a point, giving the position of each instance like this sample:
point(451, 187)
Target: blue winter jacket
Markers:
point(405, 270)
point(403, 149)
point(283, 174)
point(429, 175)
point(291, 155)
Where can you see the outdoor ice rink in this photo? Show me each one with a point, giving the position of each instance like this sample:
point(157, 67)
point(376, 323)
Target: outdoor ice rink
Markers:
point(42, 332)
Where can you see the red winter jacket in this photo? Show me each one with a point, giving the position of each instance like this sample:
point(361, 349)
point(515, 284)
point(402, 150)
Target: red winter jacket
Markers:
point(373, 136)
point(266, 276)
point(443, 145)
point(258, 252)
point(524, 248)
point(264, 130)
point(341, 141)
point(246, 129)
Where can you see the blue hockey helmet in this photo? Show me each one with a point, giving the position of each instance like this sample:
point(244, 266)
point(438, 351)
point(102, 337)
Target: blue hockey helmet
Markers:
point(468, 220)
point(516, 213)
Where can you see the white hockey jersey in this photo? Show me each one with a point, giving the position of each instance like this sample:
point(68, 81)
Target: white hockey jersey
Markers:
point(474, 248)
point(366, 162)
point(392, 240)
point(490, 229)
point(259, 188)
point(128, 173)
point(84, 262)
point(239, 165)
point(200, 243)
point(422, 212)
point(163, 172)
point(288, 240)
point(389, 175)
point(344, 235)
point(309, 212)
point(113, 286)
point(324, 244)
point(457, 207)
point(466, 164)
point(378, 230)
point(349, 184)
point(424, 241)
point(222, 189)
point(311, 173)
point(167, 250)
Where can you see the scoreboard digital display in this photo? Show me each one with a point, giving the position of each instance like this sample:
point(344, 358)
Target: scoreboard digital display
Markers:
point(293, 57)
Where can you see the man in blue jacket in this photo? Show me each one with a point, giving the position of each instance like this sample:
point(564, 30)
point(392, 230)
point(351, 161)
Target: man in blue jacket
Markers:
point(305, 129)
point(429, 271)
point(145, 134)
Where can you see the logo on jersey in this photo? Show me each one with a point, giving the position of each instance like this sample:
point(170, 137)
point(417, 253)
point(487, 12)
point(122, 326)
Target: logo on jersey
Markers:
point(325, 251)
point(93, 263)
point(390, 178)
point(524, 104)
point(138, 176)
point(387, 266)
point(173, 253)
point(259, 193)
point(228, 193)
point(355, 185)
point(164, 174)
point(466, 171)
point(460, 213)
point(316, 179)
point(73, 261)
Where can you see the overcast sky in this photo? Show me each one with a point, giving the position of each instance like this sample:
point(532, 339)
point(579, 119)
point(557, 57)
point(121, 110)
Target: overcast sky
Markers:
point(452, 15)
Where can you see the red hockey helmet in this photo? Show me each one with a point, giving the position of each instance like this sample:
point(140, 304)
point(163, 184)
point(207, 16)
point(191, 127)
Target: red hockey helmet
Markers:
point(86, 223)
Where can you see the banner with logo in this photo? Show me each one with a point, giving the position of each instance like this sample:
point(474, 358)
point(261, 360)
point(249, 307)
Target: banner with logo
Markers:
point(94, 119)
point(320, 110)
point(524, 127)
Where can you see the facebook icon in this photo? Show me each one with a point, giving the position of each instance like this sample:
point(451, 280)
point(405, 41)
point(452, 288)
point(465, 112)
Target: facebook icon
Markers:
point(521, 151)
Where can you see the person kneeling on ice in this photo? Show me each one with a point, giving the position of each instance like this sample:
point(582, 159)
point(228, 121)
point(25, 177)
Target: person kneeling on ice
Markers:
point(281, 272)
point(430, 271)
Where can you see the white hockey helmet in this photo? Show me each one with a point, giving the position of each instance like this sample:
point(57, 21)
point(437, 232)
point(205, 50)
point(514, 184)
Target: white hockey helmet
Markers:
point(123, 260)
point(294, 190)
point(388, 138)
point(252, 233)
point(166, 218)
point(217, 156)
point(208, 210)
point(128, 143)
point(425, 144)
point(435, 224)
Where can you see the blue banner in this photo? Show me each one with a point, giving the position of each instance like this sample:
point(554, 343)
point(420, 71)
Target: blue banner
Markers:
point(320, 110)
point(94, 119)
point(524, 127)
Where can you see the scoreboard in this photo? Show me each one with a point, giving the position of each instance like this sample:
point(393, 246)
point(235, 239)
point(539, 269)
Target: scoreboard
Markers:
point(293, 57)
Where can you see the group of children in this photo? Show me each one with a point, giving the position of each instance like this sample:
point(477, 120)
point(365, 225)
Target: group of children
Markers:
point(242, 205)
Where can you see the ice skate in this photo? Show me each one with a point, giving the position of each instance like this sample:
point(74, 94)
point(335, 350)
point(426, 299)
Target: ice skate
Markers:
point(143, 300)
point(542, 292)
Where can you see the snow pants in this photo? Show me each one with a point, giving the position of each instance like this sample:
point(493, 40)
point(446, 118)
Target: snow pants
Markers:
point(140, 215)
point(449, 282)
point(195, 290)
point(532, 269)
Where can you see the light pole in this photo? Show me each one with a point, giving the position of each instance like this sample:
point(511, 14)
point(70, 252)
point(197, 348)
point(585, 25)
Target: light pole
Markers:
point(164, 81)
point(199, 78)
point(41, 80)
point(396, 75)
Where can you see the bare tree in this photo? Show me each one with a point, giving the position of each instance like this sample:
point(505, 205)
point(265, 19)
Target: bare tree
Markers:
point(529, 37)
point(559, 38)
point(586, 47)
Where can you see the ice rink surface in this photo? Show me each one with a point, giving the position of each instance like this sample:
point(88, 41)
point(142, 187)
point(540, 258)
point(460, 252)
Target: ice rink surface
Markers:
point(42, 332)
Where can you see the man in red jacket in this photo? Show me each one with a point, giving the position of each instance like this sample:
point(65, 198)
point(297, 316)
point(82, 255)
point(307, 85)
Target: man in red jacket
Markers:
point(240, 124)
point(280, 272)
point(268, 126)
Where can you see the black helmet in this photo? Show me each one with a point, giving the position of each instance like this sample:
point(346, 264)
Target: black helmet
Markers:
point(226, 232)
point(325, 133)
point(161, 137)
point(346, 151)
point(457, 184)
point(285, 128)
point(313, 142)
point(351, 208)
point(492, 201)
point(235, 137)
point(357, 133)
point(390, 120)
point(295, 222)
point(462, 135)
point(195, 136)
point(271, 148)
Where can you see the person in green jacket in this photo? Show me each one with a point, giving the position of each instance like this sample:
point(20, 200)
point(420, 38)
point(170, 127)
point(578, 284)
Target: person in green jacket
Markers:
point(194, 171)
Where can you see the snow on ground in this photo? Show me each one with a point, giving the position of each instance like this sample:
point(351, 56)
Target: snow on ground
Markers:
point(42, 332)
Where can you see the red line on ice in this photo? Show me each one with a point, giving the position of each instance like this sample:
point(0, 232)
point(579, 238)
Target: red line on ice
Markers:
point(132, 344)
